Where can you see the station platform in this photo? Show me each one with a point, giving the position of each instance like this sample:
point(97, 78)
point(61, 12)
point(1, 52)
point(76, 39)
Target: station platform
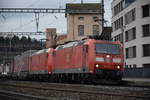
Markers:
point(141, 82)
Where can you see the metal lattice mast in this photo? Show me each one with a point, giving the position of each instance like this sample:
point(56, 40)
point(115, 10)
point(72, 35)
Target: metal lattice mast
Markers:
point(102, 9)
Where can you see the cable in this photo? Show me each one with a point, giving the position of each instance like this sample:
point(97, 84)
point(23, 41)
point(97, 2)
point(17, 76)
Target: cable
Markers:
point(24, 24)
point(54, 21)
point(72, 1)
point(31, 21)
point(3, 18)
point(33, 3)
point(20, 20)
point(64, 3)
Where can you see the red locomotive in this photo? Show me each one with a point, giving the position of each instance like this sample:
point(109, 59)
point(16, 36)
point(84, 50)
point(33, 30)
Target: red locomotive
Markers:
point(79, 61)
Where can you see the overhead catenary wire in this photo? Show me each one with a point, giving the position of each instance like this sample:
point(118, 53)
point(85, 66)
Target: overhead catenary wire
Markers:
point(34, 2)
point(3, 20)
point(31, 21)
point(20, 20)
point(37, 1)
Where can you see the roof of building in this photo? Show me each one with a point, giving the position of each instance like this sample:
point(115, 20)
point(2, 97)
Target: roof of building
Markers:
point(106, 33)
point(107, 29)
point(61, 37)
point(83, 8)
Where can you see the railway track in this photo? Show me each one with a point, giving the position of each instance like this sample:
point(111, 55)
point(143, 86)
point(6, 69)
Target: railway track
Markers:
point(74, 92)
point(9, 95)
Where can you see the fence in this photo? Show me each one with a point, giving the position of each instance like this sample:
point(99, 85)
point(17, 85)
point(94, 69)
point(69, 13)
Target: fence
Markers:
point(137, 72)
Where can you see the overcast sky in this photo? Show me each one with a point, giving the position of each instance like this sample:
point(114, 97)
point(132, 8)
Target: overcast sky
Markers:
point(23, 22)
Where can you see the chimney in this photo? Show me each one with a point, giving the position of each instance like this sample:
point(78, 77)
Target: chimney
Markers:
point(50, 37)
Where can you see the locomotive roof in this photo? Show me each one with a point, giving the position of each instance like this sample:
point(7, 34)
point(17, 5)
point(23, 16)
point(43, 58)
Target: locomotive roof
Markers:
point(29, 52)
point(26, 53)
point(80, 42)
point(69, 44)
point(40, 51)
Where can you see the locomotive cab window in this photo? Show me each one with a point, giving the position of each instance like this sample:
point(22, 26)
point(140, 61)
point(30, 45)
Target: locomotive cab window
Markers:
point(107, 48)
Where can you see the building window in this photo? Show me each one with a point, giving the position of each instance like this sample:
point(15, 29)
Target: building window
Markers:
point(118, 8)
point(146, 10)
point(130, 16)
point(146, 30)
point(128, 2)
point(134, 66)
point(80, 30)
point(146, 50)
point(95, 18)
point(126, 66)
point(131, 52)
point(130, 34)
point(95, 29)
point(118, 23)
point(146, 65)
point(80, 18)
point(119, 38)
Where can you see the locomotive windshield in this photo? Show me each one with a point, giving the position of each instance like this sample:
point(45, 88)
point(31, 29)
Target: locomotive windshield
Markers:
point(108, 48)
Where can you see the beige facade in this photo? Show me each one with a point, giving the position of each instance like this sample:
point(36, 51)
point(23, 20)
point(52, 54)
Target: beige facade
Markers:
point(61, 39)
point(73, 22)
point(131, 25)
point(53, 39)
point(50, 37)
point(84, 22)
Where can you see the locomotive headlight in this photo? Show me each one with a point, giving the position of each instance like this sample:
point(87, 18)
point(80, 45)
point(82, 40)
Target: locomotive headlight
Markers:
point(116, 60)
point(97, 65)
point(100, 59)
point(107, 56)
point(118, 67)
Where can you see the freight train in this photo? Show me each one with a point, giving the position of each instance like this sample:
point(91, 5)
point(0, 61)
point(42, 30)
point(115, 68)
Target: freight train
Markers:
point(86, 61)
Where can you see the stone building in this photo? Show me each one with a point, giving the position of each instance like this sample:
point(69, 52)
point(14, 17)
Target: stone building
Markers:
point(83, 20)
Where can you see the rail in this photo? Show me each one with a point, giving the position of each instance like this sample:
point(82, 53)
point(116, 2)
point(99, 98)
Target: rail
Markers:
point(67, 89)
point(19, 96)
